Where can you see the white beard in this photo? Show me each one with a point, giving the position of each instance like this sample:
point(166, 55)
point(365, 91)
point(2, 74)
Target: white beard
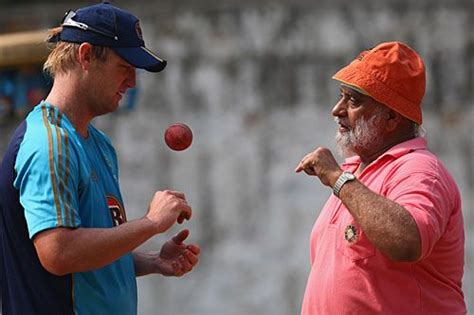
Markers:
point(363, 137)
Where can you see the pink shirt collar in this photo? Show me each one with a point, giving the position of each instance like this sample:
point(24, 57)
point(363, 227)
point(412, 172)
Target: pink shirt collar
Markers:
point(395, 152)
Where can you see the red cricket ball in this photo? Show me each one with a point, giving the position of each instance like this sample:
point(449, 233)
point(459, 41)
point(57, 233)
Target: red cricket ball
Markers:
point(178, 136)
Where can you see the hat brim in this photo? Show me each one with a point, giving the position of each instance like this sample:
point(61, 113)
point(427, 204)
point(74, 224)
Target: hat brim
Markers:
point(141, 57)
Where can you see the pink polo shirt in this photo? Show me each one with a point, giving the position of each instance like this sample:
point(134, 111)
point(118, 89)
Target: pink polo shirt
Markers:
point(356, 278)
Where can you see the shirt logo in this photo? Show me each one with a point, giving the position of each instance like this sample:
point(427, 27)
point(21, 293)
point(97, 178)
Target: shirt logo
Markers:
point(350, 234)
point(117, 212)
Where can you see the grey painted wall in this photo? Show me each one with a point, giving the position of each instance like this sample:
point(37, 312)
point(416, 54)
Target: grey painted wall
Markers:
point(252, 79)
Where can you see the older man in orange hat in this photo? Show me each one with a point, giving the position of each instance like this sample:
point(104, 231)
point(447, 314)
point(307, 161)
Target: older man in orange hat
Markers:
point(390, 239)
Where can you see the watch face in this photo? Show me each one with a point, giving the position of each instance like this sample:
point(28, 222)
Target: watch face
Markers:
point(345, 177)
point(349, 175)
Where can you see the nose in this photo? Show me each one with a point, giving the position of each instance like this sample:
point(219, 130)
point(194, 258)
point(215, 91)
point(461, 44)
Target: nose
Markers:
point(340, 109)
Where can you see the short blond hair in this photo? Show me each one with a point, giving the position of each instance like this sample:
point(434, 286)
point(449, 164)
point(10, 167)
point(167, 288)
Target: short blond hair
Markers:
point(63, 56)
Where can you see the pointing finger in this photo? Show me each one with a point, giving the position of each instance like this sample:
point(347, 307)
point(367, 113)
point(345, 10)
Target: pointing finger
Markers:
point(298, 168)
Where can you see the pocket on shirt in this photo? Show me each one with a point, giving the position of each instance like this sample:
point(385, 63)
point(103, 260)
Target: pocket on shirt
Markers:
point(352, 242)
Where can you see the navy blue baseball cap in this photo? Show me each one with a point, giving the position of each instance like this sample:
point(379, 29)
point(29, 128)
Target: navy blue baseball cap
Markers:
point(106, 25)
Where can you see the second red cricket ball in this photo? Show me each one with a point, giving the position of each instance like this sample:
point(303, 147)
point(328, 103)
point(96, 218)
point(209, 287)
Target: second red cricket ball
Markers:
point(178, 136)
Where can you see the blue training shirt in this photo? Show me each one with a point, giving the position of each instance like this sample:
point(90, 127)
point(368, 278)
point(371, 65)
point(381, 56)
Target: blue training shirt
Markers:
point(53, 177)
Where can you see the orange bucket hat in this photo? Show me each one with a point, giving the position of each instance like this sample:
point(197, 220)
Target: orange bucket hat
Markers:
point(391, 73)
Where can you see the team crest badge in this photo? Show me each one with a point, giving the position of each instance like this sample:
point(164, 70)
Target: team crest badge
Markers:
point(138, 29)
point(117, 212)
point(350, 234)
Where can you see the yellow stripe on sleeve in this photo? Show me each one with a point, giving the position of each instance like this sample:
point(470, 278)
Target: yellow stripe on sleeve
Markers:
point(61, 170)
point(51, 164)
point(68, 192)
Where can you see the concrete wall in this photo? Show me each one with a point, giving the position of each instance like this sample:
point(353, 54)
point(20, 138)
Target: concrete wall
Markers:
point(252, 79)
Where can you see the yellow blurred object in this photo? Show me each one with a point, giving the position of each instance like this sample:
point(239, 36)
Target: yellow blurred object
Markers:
point(23, 48)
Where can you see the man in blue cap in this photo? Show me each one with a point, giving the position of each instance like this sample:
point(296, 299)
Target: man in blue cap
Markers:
point(66, 246)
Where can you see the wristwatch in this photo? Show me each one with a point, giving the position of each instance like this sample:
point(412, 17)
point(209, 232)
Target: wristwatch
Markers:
point(345, 177)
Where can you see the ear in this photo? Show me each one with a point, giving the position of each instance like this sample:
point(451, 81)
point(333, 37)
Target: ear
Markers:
point(84, 55)
point(393, 120)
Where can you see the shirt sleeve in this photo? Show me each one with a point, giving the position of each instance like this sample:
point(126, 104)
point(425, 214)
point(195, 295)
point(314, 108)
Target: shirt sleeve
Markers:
point(45, 168)
point(428, 200)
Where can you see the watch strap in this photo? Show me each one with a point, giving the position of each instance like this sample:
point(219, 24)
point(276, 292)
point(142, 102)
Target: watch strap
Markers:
point(345, 177)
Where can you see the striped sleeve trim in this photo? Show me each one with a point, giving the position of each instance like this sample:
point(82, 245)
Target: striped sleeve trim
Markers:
point(62, 194)
point(51, 164)
point(68, 165)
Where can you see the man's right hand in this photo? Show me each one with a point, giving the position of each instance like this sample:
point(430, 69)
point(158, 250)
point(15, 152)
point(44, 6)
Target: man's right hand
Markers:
point(320, 163)
point(168, 207)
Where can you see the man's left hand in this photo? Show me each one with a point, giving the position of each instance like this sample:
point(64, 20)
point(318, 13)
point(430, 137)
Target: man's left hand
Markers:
point(176, 258)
